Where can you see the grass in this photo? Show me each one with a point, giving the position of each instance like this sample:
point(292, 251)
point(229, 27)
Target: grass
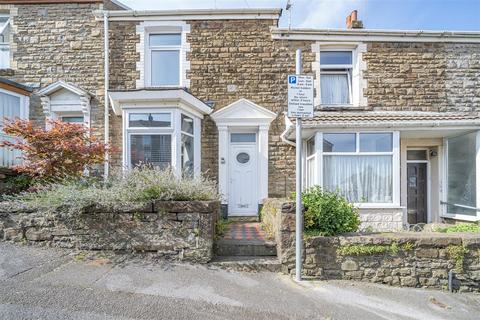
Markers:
point(461, 227)
point(372, 249)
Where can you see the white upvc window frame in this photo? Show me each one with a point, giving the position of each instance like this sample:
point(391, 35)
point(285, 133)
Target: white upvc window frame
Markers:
point(310, 160)
point(349, 72)
point(174, 130)
point(148, 55)
point(443, 212)
point(4, 44)
point(24, 114)
point(395, 153)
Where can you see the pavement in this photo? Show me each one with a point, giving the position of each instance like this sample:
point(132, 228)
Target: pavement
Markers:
point(47, 283)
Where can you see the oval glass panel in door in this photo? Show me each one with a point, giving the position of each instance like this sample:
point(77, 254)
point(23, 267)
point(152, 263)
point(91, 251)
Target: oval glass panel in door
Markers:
point(243, 157)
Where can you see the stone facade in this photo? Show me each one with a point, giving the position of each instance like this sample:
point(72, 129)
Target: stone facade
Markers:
point(385, 219)
point(229, 60)
point(171, 230)
point(397, 259)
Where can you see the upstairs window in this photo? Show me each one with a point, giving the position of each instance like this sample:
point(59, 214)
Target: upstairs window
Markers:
point(4, 41)
point(165, 51)
point(336, 77)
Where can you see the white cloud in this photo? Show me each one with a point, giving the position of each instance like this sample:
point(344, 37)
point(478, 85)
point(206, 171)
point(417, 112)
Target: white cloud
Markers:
point(328, 13)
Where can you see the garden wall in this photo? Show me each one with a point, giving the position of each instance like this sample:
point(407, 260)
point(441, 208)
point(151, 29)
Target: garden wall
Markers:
point(398, 259)
point(177, 230)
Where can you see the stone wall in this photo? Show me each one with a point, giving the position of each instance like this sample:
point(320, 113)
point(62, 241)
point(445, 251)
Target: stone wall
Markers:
point(181, 230)
point(398, 259)
point(423, 76)
point(54, 42)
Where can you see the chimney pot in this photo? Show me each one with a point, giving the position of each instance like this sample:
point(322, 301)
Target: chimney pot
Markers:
point(352, 22)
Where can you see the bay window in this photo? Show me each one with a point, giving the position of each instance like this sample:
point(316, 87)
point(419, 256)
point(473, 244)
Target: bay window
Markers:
point(358, 165)
point(462, 196)
point(336, 77)
point(164, 59)
point(162, 138)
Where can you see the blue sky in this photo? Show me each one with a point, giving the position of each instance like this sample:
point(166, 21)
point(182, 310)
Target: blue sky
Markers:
point(376, 14)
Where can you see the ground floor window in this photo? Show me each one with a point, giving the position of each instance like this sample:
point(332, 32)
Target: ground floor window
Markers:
point(162, 138)
point(461, 175)
point(358, 165)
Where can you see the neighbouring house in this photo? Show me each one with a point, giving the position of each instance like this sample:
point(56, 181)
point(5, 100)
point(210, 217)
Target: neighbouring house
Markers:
point(396, 127)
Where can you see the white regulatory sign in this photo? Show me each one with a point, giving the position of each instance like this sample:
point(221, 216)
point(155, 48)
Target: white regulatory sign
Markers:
point(300, 96)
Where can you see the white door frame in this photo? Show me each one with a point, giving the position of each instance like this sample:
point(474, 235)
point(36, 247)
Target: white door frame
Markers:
point(243, 115)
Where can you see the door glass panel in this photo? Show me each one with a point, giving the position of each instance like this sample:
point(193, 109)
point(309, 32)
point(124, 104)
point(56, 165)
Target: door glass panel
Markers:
point(461, 171)
point(151, 149)
point(243, 137)
point(243, 157)
point(417, 155)
point(376, 142)
point(339, 142)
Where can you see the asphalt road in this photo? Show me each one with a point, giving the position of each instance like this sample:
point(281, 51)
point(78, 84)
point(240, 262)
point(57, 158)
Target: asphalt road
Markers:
point(46, 283)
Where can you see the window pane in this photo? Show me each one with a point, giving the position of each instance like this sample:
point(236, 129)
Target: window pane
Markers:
point(376, 142)
point(78, 119)
point(165, 68)
point(461, 172)
point(311, 147)
point(187, 154)
point(151, 149)
point(9, 109)
point(335, 88)
point(243, 137)
point(416, 154)
point(339, 142)
point(149, 120)
point(336, 57)
point(366, 179)
point(165, 39)
point(187, 124)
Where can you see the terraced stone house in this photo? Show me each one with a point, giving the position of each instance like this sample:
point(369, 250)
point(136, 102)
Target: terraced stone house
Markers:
point(396, 126)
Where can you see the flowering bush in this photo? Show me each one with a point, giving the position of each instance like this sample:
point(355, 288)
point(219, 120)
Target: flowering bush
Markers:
point(139, 185)
point(64, 150)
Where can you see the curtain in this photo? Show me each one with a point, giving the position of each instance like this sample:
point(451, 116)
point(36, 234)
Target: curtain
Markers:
point(360, 178)
point(151, 149)
point(335, 89)
point(10, 109)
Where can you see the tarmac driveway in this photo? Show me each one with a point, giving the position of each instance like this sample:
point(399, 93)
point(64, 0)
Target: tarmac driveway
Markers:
point(46, 283)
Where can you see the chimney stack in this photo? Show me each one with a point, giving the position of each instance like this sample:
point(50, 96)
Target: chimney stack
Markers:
point(352, 22)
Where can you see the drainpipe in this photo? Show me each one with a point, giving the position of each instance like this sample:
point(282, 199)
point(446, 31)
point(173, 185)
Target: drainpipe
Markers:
point(106, 85)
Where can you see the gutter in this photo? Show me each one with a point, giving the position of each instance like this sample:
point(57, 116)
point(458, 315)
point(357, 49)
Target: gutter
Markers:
point(198, 14)
point(106, 86)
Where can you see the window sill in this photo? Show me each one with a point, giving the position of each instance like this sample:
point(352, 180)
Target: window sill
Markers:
point(345, 107)
point(378, 206)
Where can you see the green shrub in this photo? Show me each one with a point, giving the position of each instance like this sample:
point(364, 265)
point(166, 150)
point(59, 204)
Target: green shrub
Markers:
point(138, 185)
point(16, 184)
point(328, 213)
point(461, 227)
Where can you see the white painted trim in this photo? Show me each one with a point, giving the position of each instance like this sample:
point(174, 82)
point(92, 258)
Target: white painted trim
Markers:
point(146, 28)
point(172, 97)
point(240, 116)
point(196, 14)
point(365, 35)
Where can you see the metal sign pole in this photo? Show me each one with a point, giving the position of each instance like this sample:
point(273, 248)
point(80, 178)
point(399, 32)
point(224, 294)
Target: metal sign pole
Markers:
point(298, 188)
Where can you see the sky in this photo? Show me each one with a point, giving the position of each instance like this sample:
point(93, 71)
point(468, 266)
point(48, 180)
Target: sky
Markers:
point(463, 15)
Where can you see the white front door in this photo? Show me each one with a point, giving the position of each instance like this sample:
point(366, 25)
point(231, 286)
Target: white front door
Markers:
point(243, 173)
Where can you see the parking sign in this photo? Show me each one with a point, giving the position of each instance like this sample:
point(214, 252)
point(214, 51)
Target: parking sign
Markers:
point(300, 96)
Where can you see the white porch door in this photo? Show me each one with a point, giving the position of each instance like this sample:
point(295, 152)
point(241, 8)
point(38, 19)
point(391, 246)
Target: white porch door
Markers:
point(243, 173)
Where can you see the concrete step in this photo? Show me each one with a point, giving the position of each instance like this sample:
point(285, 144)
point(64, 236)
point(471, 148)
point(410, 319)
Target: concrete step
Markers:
point(244, 219)
point(248, 263)
point(225, 247)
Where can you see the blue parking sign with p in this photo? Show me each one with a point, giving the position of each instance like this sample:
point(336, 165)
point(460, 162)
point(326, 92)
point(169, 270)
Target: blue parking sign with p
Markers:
point(292, 79)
